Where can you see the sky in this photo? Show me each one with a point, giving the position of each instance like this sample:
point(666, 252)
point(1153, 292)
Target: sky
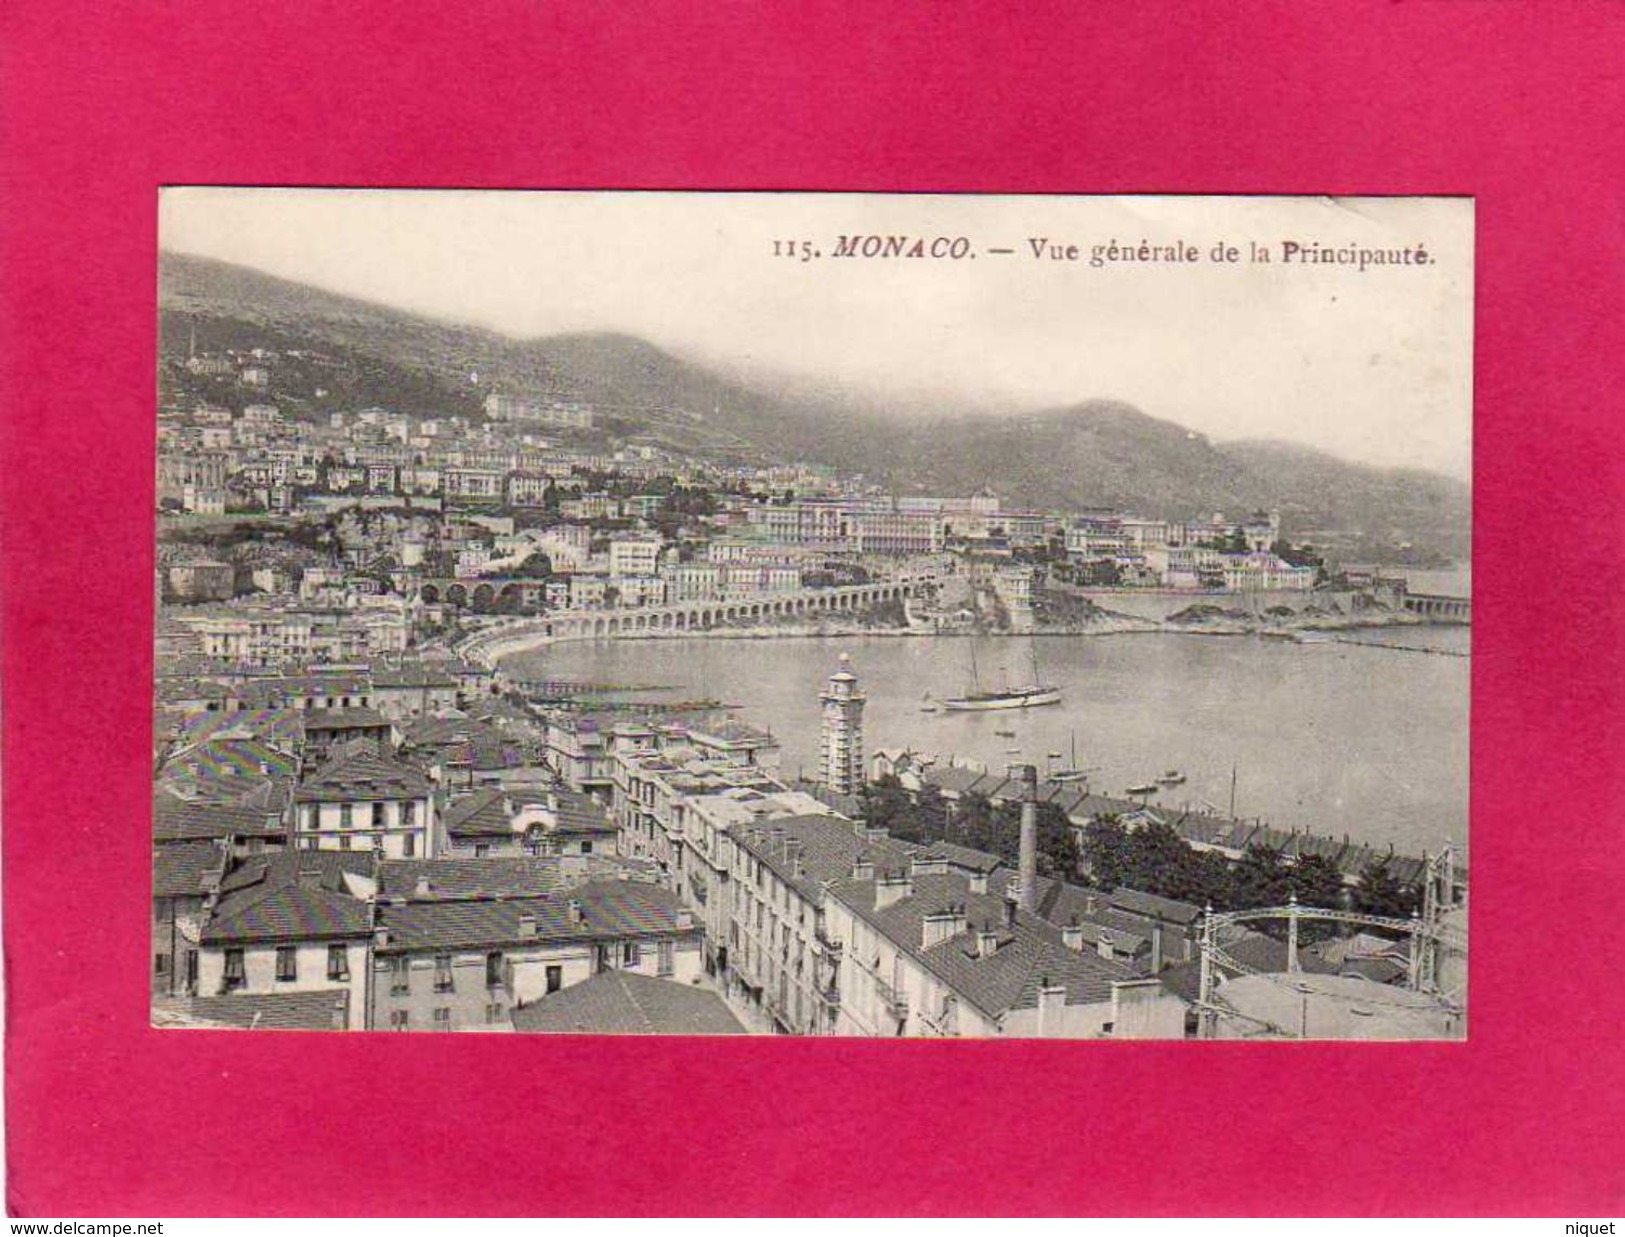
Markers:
point(1374, 366)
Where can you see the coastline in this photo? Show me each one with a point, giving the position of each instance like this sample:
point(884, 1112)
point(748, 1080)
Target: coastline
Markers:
point(489, 647)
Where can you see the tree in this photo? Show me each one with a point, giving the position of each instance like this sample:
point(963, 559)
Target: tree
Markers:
point(1157, 859)
point(1297, 556)
point(934, 811)
point(1316, 881)
point(1105, 850)
point(886, 805)
point(1103, 573)
point(1058, 853)
point(537, 566)
point(974, 824)
point(1379, 892)
point(1261, 878)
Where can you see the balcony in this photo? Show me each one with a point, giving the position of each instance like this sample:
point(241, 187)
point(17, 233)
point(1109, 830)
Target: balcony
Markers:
point(830, 944)
point(830, 996)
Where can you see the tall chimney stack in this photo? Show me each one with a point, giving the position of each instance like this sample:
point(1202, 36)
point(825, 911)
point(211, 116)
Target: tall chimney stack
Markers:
point(1027, 863)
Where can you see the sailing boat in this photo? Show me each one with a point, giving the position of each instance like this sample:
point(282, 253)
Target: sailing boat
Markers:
point(1072, 773)
point(1028, 697)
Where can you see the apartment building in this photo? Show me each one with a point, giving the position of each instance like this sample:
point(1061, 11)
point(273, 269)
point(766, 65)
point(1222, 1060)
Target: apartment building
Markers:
point(452, 963)
point(366, 802)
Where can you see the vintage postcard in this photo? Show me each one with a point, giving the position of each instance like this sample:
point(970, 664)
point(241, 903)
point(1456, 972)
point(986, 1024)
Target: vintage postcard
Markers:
point(813, 614)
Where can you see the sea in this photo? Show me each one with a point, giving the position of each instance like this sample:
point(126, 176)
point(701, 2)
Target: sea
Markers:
point(1364, 735)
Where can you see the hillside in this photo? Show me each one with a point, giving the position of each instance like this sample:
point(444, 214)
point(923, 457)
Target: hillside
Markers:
point(1389, 506)
point(1095, 453)
point(637, 387)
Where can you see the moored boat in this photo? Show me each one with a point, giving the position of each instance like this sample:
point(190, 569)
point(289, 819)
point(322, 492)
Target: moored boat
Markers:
point(1072, 773)
point(1031, 696)
point(1011, 698)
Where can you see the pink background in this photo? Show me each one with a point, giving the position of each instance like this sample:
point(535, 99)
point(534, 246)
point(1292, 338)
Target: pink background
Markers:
point(1519, 105)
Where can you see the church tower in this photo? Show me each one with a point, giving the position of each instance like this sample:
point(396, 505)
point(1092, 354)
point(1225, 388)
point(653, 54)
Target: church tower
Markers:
point(841, 740)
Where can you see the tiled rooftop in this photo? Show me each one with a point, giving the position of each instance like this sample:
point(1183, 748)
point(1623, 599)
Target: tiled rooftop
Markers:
point(626, 1003)
point(185, 869)
point(609, 910)
point(175, 820)
point(539, 876)
point(271, 911)
point(829, 846)
point(265, 1011)
point(364, 776)
point(484, 813)
point(1030, 953)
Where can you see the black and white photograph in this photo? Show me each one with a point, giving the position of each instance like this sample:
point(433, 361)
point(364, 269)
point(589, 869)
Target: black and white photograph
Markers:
point(837, 614)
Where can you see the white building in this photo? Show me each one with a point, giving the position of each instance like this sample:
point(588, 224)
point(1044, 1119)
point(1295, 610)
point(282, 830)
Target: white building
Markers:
point(633, 556)
point(366, 802)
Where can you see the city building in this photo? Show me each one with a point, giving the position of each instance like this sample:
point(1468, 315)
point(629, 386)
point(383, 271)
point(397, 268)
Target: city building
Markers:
point(412, 689)
point(298, 922)
point(554, 821)
point(450, 964)
point(184, 876)
point(929, 952)
point(555, 414)
point(201, 581)
point(633, 556)
point(366, 802)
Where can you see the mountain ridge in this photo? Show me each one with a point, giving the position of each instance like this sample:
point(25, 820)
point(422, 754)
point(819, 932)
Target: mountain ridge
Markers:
point(1092, 453)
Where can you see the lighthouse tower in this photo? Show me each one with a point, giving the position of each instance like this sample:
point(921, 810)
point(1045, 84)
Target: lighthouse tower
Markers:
point(841, 739)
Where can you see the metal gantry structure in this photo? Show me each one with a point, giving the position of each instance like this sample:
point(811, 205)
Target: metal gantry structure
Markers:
point(1427, 934)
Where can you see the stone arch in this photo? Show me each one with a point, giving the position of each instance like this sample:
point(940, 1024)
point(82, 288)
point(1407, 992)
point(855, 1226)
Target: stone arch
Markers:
point(430, 593)
point(457, 594)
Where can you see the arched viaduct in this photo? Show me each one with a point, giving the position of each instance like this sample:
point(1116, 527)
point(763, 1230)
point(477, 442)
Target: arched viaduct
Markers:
point(1444, 609)
point(487, 593)
point(691, 615)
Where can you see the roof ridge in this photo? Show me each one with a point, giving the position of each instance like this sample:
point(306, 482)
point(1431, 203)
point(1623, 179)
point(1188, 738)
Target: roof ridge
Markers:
point(252, 895)
point(631, 994)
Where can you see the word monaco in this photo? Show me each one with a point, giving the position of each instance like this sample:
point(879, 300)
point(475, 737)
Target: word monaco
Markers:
point(1110, 253)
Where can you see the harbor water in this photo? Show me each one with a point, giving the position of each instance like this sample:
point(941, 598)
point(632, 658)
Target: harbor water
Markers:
point(1363, 735)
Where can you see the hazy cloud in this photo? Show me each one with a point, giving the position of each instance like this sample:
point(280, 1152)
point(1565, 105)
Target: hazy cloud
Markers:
point(1373, 366)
